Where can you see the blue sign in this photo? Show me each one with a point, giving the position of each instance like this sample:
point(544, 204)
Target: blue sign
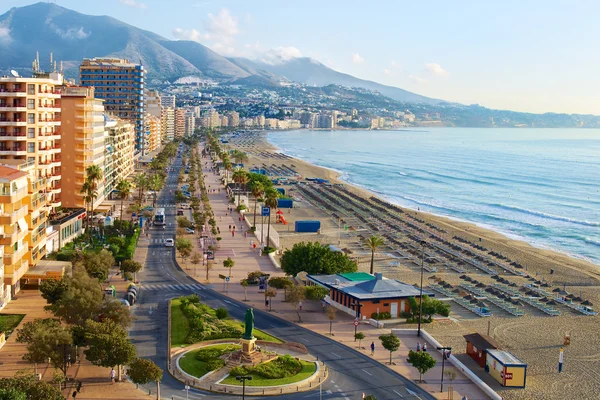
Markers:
point(227, 279)
point(266, 211)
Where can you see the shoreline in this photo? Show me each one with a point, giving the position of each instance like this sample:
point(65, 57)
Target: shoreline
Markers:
point(549, 255)
point(342, 177)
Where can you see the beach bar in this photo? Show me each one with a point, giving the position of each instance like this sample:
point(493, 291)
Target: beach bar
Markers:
point(506, 368)
point(477, 345)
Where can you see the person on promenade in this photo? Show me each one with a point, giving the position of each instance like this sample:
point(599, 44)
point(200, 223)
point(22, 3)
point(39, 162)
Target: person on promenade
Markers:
point(418, 347)
point(424, 346)
point(254, 246)
point(372, 348)
point(251, 244)
point(113, 374)
point(233, 233)
point(246, 234)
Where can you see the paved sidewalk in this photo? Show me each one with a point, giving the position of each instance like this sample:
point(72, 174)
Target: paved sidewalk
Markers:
point(313, 317)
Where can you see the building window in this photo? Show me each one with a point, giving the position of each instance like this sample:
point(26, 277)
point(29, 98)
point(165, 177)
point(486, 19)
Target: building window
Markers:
point(30, 89)
point(386, 304)
point(31, 147)
point(31, 104)
point(31, 133)
point(31, 118)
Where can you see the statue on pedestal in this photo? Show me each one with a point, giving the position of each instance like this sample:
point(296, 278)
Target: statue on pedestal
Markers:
point(249, 321)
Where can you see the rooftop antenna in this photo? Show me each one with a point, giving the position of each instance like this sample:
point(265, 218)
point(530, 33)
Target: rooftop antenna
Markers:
point(54, 65)
point(61, 67)
point(50, 59)
point(37, 61)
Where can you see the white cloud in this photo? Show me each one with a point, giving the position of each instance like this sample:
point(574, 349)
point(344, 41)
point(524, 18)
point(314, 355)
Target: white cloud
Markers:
point(188, 34)
point(223, 48)
point(279, 55)
point(417, 79)
point(222, 26)
point(387, 72)
point(134, 3)
point(436, 69)
point(357, 59)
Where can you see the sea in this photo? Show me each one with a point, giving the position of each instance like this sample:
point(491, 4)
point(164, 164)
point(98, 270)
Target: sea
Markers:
point(537, 185)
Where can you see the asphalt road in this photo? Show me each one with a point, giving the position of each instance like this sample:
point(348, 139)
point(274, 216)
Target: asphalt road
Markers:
point(351, 373)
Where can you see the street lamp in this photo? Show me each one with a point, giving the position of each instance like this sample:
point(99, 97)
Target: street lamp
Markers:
point(443, 349)
point(423, 243)
point(243, 378)
point(358, 306)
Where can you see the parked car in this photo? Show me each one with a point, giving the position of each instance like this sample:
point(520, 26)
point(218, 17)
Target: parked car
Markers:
point(169, 243)
point(179, 212)
point(190, 230)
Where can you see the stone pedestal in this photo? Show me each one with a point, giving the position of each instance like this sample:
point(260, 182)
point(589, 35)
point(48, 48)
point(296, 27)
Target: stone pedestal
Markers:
point(248, 346)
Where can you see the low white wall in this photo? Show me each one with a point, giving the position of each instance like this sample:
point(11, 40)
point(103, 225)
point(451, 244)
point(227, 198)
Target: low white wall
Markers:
point(453, 360)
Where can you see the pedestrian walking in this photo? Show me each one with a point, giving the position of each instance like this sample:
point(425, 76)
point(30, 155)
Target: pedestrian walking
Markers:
point(246, 234)
point(254, 246)
point(372, 348)
point(113, 375)
point(232, 233)
point(300, 305)
point(424, 346)
point(418, 347)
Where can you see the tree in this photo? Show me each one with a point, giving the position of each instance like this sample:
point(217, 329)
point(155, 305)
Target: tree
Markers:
point(271, 197)
point(422, 361)
point(131, 266)
point(93, 176)
point(359, 336)
point(141, 183)
point(370, 397)
point(155, 183)
point(114, 310)
point(195, 260)
point(46, 339)
point(184, 247)
point(256, 188)
point(373, 243)
point(125, 189)
point(88, 197)
point(183, 222)
point(316, 293)
point(12, 394)
point(315, 258)
point(239, 177)
point(108, 345)
point(432, 307)
point(270, 293)
point(98, 264)
point(31, 386)
point(229, 263)
point(331, 314)
point(244, 284)
point(80, 301)
point(52, 290)
point(209, 265)
point(281, 282)
point(391, 343)
point(142, 371)
point(296, 295)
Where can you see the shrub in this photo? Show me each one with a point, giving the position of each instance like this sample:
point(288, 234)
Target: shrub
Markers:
point(215, 364)
point(222, 313)
point(381, 315)
point(282, 367)
point(268, 249)
point(241, 207)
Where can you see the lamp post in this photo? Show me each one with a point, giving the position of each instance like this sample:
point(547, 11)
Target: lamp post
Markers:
point(443, 349)
point(423, 243)
point(243, 378)
point(358, 306)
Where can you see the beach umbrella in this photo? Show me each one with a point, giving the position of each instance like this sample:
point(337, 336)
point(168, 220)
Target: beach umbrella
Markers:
point(563, 293)
point(480, 285)
point(463, 277)
point(556, 290)
point(474, 301)
point(512, 284)
point(522, 289)
point(587, 303)
point(577, 299)
point(489, 290)
point(456, 291)
point(570, 296)
point(545, 285)
point(544, 300)
point(551, 303)
point(468, 297)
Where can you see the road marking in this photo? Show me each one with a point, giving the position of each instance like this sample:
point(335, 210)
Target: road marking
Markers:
point(304, 340)
point(337, 355)
point(230, 303)
point(397, 393)
point(367, 372)
point(337, 386)
point(333, 382)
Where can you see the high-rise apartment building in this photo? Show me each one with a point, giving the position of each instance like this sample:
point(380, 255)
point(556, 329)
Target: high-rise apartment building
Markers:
point(83, 134)
point(167, 101)
point(190, 123)
point(234, 119)
point(13, 227)
point(30, 133)
point(168, 123)
point(153, 103)
point(179, 122)
point(120, 141)
point(153, 126)
point(121, 84)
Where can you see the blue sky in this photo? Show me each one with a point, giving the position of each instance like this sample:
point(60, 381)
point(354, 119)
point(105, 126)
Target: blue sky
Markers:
point(528, 55)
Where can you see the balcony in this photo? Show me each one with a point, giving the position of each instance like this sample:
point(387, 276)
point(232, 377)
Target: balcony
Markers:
point(37, 185)
point(13, 217)
point(12, 122)
point(12, 258)
point(13, 135)
point(55, 203)
point(18, 107)
point(6, 92)
point(12, 196)
point(9, 239)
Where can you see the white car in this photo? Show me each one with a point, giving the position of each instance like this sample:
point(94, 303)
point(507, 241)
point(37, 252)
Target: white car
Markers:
point(169, 243)
point(190, 230)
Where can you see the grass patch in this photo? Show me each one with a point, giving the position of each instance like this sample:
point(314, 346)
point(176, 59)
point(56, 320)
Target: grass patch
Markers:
point(180, 325)
point(198, 368)
point(260, 335)
point(308, 368)
point(8, 322)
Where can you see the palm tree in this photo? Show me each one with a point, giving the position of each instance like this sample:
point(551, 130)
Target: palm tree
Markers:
point(239, 156)
point(270, 201)
point(239, 176)
point(373, 243)
point(141, 183)
point(257, 190)
point(89, 195)
point(227, 166)
point(124, 188)
point(155, 183)
point(94, 176)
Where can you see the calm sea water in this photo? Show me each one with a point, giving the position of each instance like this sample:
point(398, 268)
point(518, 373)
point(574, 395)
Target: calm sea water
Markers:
point(538, 185)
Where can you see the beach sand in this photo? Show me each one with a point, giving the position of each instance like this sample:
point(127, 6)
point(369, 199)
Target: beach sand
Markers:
point(535, 338)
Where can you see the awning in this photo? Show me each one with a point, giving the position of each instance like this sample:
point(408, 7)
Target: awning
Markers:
point(23, 224)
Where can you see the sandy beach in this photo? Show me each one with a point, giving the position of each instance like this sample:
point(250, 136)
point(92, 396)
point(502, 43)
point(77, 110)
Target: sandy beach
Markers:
point(534, 337)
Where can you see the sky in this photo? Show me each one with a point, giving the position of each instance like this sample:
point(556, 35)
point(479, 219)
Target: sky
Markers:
point(533, 55)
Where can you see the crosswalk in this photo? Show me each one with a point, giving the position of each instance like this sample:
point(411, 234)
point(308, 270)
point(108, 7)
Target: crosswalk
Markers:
point(157, 241)
point(166, 206)
point(164, 286)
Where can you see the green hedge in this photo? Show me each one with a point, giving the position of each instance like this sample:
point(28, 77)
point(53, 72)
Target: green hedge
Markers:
point(381, 315)
point(282, 367)
point(204, 325)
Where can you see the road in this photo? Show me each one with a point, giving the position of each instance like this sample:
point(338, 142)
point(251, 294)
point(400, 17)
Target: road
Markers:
point(351, 373)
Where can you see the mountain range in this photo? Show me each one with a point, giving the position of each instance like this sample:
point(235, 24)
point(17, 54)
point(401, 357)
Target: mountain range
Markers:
point(72, 36)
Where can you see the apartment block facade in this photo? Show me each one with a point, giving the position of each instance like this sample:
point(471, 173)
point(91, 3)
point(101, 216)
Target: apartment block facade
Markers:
point(121, 84)
point(120, 143)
